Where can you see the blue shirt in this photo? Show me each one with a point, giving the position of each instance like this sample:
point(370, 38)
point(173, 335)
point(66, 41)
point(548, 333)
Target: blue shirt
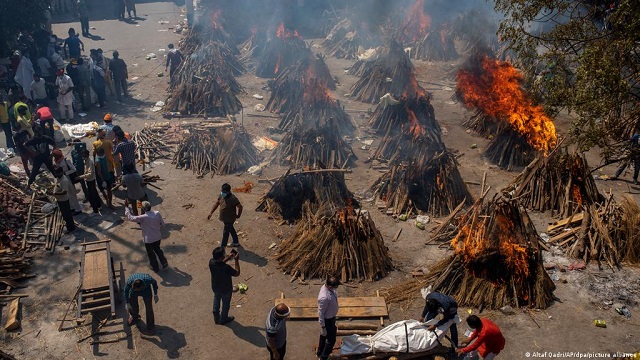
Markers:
point(147, 283)
point(73, 42)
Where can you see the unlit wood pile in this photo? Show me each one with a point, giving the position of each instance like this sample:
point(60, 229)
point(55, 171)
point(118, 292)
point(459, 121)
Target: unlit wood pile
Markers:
point(559, 182)
point(508, 149)
point(350, 37)
point(435, 46)
point(497, 262)
point(152, 144)
point(391, 73)
point(281, 51)
point(628, 232)
point(341, 242)
point(435, 187)
point(213, 149)
point(288, 88)
point(290, 192)
point(404, 113)
point(322, 147)
point(205, 83)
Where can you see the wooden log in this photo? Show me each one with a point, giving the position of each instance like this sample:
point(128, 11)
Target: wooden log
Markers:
point(13, 320)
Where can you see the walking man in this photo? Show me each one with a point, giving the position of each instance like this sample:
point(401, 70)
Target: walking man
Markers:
point(141, 284)
point(228, 203)
point(174, 59)
point(120, 75)
point(38, 90)
point(61, 193)
point(435, 302)
point(65, 95)
point(327, 311)
point(221, 274)
point(73, 44)
point(83, 14)
point(135, 187)
point(151, 223)
point(488, 338)
point(277, 331)
point(633, 149)
point(42, 156)
point(89, 177)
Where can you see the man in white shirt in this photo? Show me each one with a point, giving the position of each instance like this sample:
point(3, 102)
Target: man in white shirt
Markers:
point(89, 177)
point(39, 90)
point(151, 224)
point(65, 95)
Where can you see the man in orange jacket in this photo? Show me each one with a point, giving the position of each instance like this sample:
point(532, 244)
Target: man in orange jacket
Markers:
point(488, 338)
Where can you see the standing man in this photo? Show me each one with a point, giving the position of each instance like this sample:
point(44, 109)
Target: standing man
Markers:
point(89, 177)
point(228, 204)
point(135, 187)
point(221, 284)
point(84, 84)
point(38, 90)
point(488, 338)
point(108, 128)
point(633, 150)
point(435, 302)
point(98, 82)
point(41, 145)
point(125, 150)
point(65, 95)
point(103, 62)
point(277, 331)
point(61, 192)
point(83, 14)
point(73, 44)
point(327, 311)
point(45, 117)
point(141, 284)
point(120, 75)
point(174, 59)
point(105, 178)
point(131, 6)
point(151, 223)
point(61, 162)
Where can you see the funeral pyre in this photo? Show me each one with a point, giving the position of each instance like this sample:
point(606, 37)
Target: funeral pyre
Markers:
point(504, 112)
point(432, 42)
point(335, 241)
point(349, 37)
point(280, 51)
point(497, 261)
point(288, 195)
point(215, 149)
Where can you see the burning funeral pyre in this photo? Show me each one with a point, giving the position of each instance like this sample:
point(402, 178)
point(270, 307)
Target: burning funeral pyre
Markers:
point(205, 83)
point(289, 193)
point(559, 182)
point(518, 128)
point(330, 241)
point(281, 51)
point(391, 73)
point(496, 262)
point(215, 149)
point(350, 37)
point(427, 41)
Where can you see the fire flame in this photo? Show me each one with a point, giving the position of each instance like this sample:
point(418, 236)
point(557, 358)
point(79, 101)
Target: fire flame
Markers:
point(283, 33)
point(316, 92)
point(497, 92)
point(414, 125)
point(416, 24)
point(214, 19)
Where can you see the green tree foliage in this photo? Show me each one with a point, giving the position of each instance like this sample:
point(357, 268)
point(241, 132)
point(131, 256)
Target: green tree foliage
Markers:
point(16, 15)
point(582, 56)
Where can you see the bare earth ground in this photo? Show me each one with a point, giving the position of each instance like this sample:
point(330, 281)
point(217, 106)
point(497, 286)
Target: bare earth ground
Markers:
point(183, 314)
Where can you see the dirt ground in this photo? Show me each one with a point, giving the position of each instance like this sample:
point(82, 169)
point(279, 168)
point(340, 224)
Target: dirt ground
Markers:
point(183, 314)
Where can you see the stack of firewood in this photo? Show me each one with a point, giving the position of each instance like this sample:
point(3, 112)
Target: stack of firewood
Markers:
point(559, 182)
point(509, 149)
point(152, 143)
point(281, 51)
point(406, 112)
point(435, 46)
point(290, 192)
point(349, 37)
point(343, 242)
point(497, 261)
point(215, 149)
point(434, 187)
point(322, 147)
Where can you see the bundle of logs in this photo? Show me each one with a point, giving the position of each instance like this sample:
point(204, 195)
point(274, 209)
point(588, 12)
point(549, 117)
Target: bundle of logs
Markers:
point(509, 149)
point(329, 241)
point(215, 149)
point(288, 88)
point(606, 232)
point(280, 52)
point(434, 46)
point(346, 41)
point(392, 72)
point(322, 147)
point(205, 83)
point(152, 144)
point(497, 261)
point(290, 192)
point(434, 187)
point(559, 182)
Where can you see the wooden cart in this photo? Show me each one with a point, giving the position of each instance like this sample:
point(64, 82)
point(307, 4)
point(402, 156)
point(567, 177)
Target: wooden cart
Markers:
point(98, 285)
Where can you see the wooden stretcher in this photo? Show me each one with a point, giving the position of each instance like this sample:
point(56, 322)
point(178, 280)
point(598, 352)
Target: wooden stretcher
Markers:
point(98, 290)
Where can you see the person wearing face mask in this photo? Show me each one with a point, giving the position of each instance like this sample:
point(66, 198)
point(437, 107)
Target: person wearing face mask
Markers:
point(327, 311)
point(228, 203)
point(65, 95)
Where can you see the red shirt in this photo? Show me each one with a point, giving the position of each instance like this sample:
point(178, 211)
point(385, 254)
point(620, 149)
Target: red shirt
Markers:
point(45, 113)
point(489, 340)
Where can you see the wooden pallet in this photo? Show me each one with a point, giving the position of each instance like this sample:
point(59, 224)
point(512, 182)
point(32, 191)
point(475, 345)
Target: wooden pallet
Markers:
point(98, 286)
point(349, 307)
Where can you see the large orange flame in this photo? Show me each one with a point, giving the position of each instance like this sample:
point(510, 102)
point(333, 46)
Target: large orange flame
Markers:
point(416, 24)
point(497, 92)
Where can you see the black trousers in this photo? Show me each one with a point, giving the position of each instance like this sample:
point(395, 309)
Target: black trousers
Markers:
point(84, 24)
point(326, 343)
point(67, 216)
point(121, 87)
point(636, 167)
point(38, 160)
point(153, 250)
point(92, 195)
point(281, 351)
point(134, 310)
point(228, 229)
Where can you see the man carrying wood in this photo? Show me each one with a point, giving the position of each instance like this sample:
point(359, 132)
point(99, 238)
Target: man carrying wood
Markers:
point(221, 284)
point(227, 202)
point(488, 338)
point(277, 331)
point(437, 302)
point(140, 284)
point(327, 311)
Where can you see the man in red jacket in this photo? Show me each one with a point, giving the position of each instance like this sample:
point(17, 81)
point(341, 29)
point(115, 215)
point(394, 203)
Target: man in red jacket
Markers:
point(488, 338)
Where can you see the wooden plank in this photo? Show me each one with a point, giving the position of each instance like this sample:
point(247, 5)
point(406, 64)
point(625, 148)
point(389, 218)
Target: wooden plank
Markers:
point(574, 218)
point(563, 235)
point(96, 269)
point(97, 308)
point(343, 312)
point(342, 302)
point(13, 322)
